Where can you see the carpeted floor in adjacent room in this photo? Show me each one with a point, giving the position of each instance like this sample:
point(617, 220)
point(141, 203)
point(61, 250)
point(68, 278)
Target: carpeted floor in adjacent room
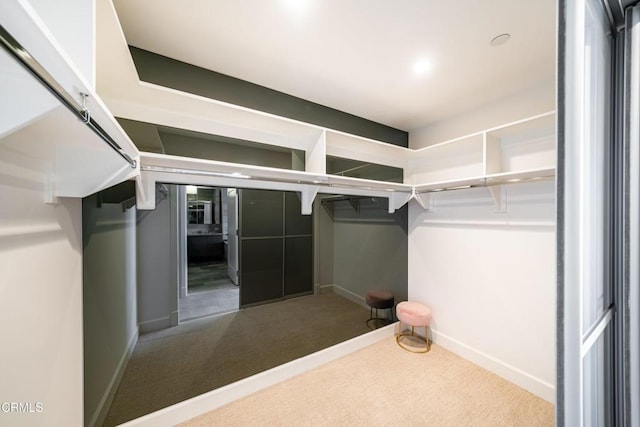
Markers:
point(175, 364)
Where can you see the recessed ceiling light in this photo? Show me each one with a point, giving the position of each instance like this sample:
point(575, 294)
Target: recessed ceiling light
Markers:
point(298, 7)
point(421, 67)
point(499, 40)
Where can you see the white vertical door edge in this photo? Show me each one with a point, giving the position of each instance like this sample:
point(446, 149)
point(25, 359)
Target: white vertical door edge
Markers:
point(634, 216)
point(571, 319)
point(182, 241)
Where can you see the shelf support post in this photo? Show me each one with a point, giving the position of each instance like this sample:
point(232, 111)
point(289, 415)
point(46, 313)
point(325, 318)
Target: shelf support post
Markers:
point(316, 154)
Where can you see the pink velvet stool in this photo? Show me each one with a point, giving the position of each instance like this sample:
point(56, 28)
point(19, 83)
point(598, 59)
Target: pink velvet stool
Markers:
point(413, 314)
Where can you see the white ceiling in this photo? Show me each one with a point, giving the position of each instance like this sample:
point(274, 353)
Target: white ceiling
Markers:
point(358, 56)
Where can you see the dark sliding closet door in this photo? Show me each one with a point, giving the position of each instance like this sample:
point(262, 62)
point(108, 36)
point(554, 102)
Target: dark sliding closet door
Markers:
point(276, 257)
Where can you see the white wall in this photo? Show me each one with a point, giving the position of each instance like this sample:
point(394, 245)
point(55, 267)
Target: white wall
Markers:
point(490, 279)
point(41, 262)
point(535, 100)
point(110, 306)
point(157, 265)
point(40, 296)
point(41, 361)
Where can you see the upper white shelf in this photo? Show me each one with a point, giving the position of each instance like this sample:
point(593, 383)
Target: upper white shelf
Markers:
point(523, 145)
point(510, 153)
point(457, 159)
point(47, 96)
point(526, 145)
point(522, 151)
point(158, 168)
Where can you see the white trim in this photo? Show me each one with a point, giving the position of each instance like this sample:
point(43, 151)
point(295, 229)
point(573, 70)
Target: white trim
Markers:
point(155, 324)
point(174, 318)
point(345, 293)
point(501, 222)
point(510, 373)
point(324, 289)
point(632, 196)
point(596, 333)
point(485, 131)
point(104, 404)
point(198, 405)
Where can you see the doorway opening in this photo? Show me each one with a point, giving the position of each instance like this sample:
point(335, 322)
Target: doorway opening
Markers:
point(208, 246)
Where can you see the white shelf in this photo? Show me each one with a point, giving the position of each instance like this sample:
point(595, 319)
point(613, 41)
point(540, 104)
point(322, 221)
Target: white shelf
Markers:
point(520, 152)
point(509, 152)
point(75, 160)
point(523, 175)
point(452, 184)
point(524, 150)
point(504, 152)
point(185, 170)
point(526, 144)
point(340, 144)
point(456, 159)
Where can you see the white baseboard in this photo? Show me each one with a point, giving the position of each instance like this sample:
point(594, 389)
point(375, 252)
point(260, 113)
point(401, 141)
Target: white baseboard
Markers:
point(155, 325)
point(174, 319)
point(324, 289)
point(510, 373)
point(198, 405)
point(107, 398)
point(345, 293)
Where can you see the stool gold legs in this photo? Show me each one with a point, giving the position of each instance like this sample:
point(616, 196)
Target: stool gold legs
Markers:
point(371, 322)
point(401, 335)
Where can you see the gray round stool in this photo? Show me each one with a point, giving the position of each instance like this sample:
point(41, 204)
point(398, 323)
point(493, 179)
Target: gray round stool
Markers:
point(382, 300)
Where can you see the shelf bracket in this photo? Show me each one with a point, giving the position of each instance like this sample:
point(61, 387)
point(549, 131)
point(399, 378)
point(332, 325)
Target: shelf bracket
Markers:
point(398, 200)
point(425, 200)
point(50, 197)
point(499, 196)
point(355, 204)
point(145, 192)
point(307, 196)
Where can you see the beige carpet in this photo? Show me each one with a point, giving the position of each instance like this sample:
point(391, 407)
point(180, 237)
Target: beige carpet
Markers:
point(384, 385)
point(176, 364)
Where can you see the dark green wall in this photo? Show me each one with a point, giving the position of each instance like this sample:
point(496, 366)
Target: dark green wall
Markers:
point(164, 71)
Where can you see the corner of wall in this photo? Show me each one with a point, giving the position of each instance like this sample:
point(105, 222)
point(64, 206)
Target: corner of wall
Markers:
point(100, 414)
point(109, 300)
point(537, 99)
point(535, 385)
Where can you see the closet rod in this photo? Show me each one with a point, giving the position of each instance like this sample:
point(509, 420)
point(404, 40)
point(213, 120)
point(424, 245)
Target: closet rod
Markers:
point(319, 181)
point(489, 182)
point(16, 50)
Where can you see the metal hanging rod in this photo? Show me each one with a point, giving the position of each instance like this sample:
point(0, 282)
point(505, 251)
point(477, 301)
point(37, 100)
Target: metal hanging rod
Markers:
point(330, 181)
point(488, 182)
point(15, 49)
